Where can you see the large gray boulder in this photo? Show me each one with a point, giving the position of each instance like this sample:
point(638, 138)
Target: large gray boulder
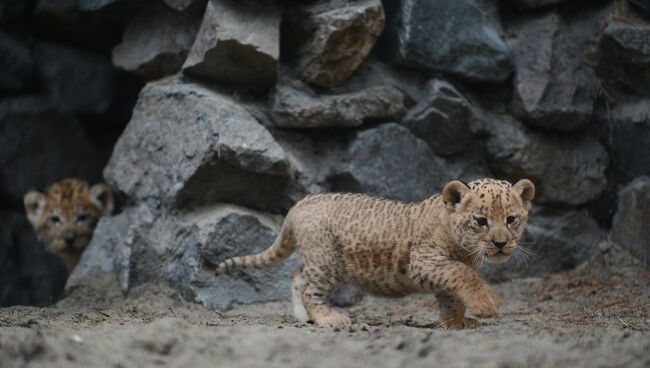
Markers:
point(624, 56)
point(389, 161)
point(626, 126)
point(553, 87)
point(182, 249)
point(341, 34)
point(187, 144)
point(459, 37)
point(567, 170)
point(555, 240)
point(442, 118)
point(295, 105)
point(630, 226)
point(156, 42)
point(238, 44)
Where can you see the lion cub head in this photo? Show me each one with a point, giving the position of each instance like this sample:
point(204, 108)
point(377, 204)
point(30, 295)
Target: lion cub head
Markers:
point(66, 215)
point(487, 217)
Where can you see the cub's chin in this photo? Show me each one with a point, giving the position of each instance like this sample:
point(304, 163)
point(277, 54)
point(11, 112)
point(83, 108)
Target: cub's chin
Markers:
point(498, 258)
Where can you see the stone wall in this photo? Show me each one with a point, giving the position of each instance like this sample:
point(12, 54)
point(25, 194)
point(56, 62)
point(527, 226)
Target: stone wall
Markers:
point(250, 106)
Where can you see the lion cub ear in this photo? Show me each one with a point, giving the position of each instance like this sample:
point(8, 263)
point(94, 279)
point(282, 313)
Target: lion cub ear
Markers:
point(453, 194)
point(102, 196)
point(525, 189)
point(34, 205)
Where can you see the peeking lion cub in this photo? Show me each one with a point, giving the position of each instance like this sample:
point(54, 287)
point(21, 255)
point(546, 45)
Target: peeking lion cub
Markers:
point(66, 215)
point(392, 248)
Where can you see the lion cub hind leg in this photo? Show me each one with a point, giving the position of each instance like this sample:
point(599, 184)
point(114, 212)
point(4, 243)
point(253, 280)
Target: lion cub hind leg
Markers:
point(315, 298)
point(452, 312)
point(297, 287)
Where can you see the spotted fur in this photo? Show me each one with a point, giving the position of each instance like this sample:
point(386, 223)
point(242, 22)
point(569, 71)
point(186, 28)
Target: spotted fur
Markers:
point(394, 249)
point(66, 215)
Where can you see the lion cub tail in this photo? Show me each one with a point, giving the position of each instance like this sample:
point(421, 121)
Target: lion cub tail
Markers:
point(280, 250)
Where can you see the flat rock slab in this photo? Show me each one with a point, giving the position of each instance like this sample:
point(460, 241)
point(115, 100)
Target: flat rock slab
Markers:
point(238, 44)
point(296, 105)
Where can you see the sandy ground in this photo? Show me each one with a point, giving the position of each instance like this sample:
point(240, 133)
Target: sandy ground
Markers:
point(596, 316)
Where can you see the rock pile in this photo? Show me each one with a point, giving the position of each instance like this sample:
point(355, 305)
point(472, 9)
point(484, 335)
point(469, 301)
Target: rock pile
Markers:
point(251, 105)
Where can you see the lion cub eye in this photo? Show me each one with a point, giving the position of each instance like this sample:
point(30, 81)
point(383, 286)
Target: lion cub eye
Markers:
point(510, 220)
point(481, 221)
point(55, 219)
point(82, 217)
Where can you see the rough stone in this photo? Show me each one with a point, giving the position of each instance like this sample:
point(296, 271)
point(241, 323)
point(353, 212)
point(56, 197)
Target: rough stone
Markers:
point(442, 118)
point(28, 274)
point(390, 162)
point(449, 36)
point(630, 227)
point(626, 128)
point(50, 149)
point(341, 36)
point(624, 57)
point(533, 4)
point(16, 64)
point(556, 240)
point(295, 105)
point(156, 42)
point(141, 245)
point(237, 44)
point(567, 170)
point(76, 81)
point(553, 87)
point(188, 144)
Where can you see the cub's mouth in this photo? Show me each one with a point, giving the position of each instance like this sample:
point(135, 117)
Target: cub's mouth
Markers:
point(500, 255)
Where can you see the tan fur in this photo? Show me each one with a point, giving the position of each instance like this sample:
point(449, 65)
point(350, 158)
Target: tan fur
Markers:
point(66, 215)
point(393, 249)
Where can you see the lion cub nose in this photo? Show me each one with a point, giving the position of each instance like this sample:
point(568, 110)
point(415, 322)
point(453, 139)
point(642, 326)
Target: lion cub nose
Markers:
point(499, 244)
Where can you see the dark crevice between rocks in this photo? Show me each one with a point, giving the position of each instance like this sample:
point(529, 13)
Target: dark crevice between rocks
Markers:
point(221, 182)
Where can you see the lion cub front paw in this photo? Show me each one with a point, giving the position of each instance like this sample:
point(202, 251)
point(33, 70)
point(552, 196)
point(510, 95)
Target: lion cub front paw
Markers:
point(332, 319)
point(460, 323)
point(484, 303)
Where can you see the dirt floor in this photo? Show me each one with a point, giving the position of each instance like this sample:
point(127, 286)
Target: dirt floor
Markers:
point(596, 316)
